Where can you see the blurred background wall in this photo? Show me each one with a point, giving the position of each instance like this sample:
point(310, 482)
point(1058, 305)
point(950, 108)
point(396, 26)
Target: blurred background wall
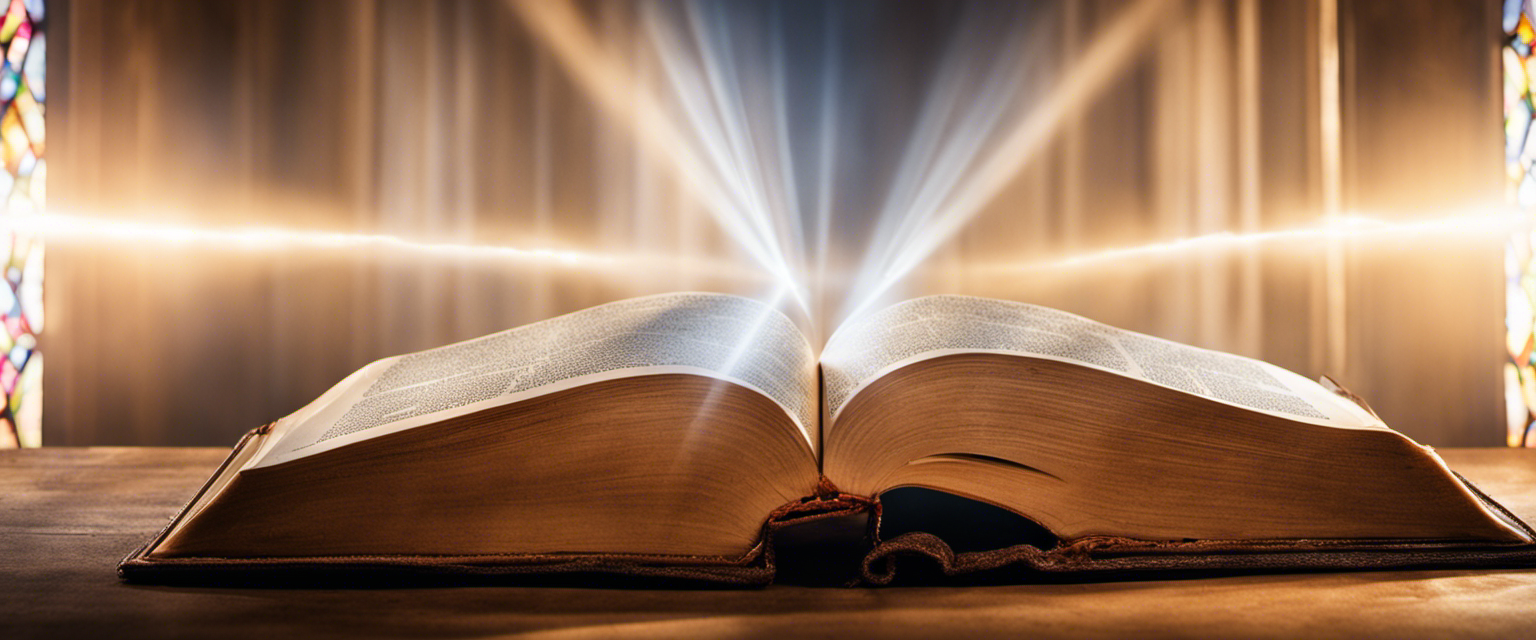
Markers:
point(461, 121)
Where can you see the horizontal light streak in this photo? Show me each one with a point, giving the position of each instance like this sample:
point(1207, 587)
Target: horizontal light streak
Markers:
point(71, 228)
point(1333, 228)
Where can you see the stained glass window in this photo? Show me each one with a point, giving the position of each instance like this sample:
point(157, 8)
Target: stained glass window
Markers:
point(22, 143)
point(1519, 268)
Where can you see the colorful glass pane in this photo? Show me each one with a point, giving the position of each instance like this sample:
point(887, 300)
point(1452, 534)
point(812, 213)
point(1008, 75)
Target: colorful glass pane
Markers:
point(23, 115)
point(1519, 261)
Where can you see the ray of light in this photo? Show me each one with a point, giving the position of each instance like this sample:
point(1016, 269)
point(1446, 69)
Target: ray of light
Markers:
point(938, 217)
point(66, 228)
point(778, 63)
point(608, 81)
point(1343, 227)
point(951, 129)
point(711, 92)
point(826, 153)
point(746, 345)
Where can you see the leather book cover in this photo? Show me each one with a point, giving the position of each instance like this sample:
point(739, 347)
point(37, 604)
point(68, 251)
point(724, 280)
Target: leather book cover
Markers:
point(919, 556)
point(755, 567)
point(923, 557)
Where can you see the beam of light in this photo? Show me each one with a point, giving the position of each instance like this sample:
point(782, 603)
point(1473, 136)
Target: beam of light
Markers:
point(1337, 228)
point(65, 228)
point(747, 343)
point(826, 152)
point(939, 149)
point(709, 89)
point(1111, 51)
point(606, 79)
point(778, 63)
point(1331, 155)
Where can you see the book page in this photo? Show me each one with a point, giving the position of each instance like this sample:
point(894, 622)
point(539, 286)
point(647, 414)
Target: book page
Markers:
point(936, 326)
point(726, 337)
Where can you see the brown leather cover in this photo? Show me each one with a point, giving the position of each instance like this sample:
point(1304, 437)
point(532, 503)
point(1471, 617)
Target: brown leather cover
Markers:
point(1096, 558)
point(1109, 557)
point(1099, 558)
point(755, 567)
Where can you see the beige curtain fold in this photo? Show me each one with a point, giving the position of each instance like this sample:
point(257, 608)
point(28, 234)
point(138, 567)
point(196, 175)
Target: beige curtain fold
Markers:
point(451, 121)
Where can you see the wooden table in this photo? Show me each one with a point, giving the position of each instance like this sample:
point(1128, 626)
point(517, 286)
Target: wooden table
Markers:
point(68, 515)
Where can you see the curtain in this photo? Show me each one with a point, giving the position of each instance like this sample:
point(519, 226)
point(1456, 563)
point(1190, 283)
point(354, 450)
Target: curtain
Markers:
point(463, 122)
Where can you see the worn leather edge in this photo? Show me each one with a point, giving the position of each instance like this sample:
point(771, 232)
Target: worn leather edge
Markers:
point(1104, 557)
point(137, 557)
point(1099, 558)
point(754, 567)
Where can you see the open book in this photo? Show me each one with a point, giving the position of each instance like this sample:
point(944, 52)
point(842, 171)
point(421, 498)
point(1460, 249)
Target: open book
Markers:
point(673, 435)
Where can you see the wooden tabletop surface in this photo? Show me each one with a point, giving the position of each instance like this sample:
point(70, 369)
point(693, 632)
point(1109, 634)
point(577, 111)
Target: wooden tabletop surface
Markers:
point(68, 515)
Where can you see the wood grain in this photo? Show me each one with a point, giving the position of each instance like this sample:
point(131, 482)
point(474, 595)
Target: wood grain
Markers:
point(68, 515)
